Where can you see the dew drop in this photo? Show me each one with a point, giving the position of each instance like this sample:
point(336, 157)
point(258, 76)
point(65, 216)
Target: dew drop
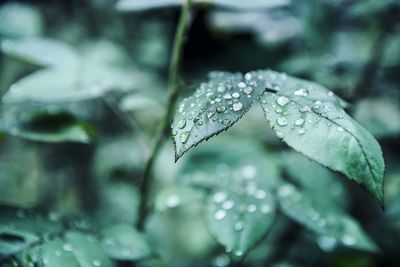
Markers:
point(184, 136)
point(220, 214)
point(228, 204)
point(221, 109)
point(238, 226)
point(96, 263)
point(247, 76)
point(226, 121)
point(299, 122)
point(349, 240)
point(172, 201)
point(340, 129)
point(221, 89)
point(282, 121)
point(67, 247)
point(285, 190)
point(280, 134)
point(247, 90)
point(238, 253)
point(210, 114)
point(227, 96)
point(282, 101)
point(219, 197)
point(301, 92)
point(304, 109)
point(181, 124)
point(241, 85)
point(317, 104)
point(252, 208)
point(237, 106)
point(301, 131)
point(265, 208)
point(235, 95)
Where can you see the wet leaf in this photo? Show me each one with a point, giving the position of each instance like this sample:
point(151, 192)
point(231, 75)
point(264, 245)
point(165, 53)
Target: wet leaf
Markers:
point(122, 242)
point(215, 106)
point(332, 225)
point(310, 119)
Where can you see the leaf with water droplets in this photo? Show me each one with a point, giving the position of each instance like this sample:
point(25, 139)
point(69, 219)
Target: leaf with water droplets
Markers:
point(332, 225)
point(140, 5)
point(314, 123)
point(122, 242)
point(214, 107)
point(240, 208)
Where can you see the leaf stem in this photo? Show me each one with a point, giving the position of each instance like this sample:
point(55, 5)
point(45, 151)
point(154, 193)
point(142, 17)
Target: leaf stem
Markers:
point(174, 89)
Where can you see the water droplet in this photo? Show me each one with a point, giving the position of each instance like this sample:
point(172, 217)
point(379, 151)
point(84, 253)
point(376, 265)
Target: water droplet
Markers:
point(265, 208)
point(96, 263)
point(260, 194)
point(238, 226)
point(221, 109)
point(221, 261)
point(67, 247)
point(349, 240)
point(237, 106)
point(304, 109)
point(238, 253)
point(221, 89)
point(301, 92)
point(299, 122)
point(226, 121)
point(327, 243)
point(58, 253)
point(235, 95)
point(280, 134)
point(248, 171)
point(210, 114)
point(220, 214)
point(282, 121)
point(340, 129)
point(247, 90)
point(181, 124)
point(285, 190)
point(184, 137)
point(219, 197)
point(173, 201)
point(228, 204)
point(317, 104)
point(227, 96)
point(330, 93)
point(241, 85)
point(252, 208)
point(282, 101)
point(301, 131)
point(247, 76)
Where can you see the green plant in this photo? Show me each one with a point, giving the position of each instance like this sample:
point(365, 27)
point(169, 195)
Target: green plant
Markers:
point(251, 197)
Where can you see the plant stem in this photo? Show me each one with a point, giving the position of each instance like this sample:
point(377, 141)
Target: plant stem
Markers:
point(174, 89)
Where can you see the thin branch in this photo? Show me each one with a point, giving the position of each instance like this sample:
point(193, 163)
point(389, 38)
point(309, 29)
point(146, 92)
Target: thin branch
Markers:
point(174, 89)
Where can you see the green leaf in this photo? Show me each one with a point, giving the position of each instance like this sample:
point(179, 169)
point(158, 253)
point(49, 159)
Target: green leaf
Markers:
point(40, 51)
point(314, 179)
point(332, 225)
point(240, 208)
point(214, 107)
point(310, 119)
point(122, 242)
point(21, 228)
point(20, 20)
point(72, 84)
point(50, 127)
point(141, 5)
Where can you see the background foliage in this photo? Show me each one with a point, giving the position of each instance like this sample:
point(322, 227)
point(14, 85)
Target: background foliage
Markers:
point(84, 89)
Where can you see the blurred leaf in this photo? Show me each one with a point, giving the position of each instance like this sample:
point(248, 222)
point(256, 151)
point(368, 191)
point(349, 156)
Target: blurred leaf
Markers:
point(19, 20)
point(122, 242)
point(240, 209)
point(391, 57)
point(136, 101)
point(140, 5)
point(332, 226)
point(51, 127)
point(21, 228)
point(41, 51)
point(381, 116)
point(214, 107)
point(310, 119)
point(71, 84)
